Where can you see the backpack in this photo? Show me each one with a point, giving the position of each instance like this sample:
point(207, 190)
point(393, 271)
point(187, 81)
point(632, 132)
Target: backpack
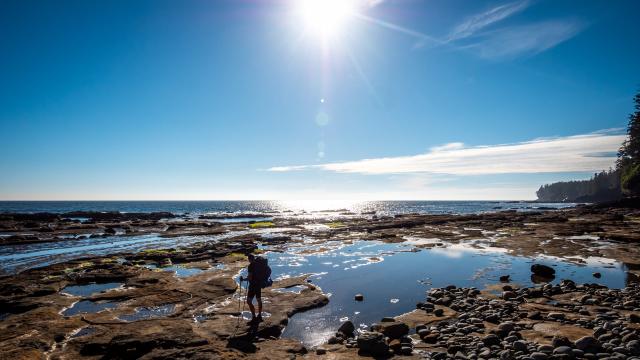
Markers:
point(262, 272)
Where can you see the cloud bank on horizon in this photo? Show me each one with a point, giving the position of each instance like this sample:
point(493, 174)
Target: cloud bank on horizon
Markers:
point(579, 153)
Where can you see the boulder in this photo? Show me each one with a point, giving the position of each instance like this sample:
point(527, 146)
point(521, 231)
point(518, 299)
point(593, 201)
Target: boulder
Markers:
point(587, 343)
point(393, 330)
point(535, 293)
point(543, 270)
point(395, 344)
point(347, 328)
point(491, 340)
point(520, 345)
point(359, 297)
point(406, 350)
point(559, 341)
point(372, 343)
point(431, 338)
point(505, 328)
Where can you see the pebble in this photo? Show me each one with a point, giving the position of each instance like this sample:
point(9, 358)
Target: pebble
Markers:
point(520, 345)
point(545, 349)
point(538, 356)
point(586, 342)
point(563, 350)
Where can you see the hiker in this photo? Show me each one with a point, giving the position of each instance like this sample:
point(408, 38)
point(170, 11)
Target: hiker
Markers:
point(258, 278)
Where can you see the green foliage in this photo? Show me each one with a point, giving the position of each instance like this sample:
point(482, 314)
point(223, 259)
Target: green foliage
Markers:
point(160, 252)
point(602, 186)
point(335, 224)
point(610, 185)
point(629, 154)
point(630, 179)
point(237, 256)
point(261, 224)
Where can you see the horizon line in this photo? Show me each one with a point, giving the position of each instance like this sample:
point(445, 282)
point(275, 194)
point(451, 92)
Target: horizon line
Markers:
point(302, 200)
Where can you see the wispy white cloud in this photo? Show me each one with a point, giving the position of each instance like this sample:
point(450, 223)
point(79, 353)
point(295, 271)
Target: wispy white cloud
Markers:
point(579, 153)
point(479, 33)
point(525, 40)
point(449, 146)
point(482, 20)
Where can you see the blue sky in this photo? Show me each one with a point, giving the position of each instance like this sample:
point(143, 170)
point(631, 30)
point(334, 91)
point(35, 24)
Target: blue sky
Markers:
point(413, 99)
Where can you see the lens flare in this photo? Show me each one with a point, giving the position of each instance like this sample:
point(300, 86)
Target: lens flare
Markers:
point(325, 18)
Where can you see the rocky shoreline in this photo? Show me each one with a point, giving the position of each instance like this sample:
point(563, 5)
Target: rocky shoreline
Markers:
point(563, 321)
point(155, 314)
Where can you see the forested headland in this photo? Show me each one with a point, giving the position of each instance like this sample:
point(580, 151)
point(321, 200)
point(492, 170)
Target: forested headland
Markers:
point(623, 181)
point(603, 186)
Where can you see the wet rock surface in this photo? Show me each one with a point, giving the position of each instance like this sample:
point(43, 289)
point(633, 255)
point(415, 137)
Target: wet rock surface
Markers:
point(154, 314)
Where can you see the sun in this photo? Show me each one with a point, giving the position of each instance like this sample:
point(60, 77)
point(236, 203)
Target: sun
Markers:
point(324, 18)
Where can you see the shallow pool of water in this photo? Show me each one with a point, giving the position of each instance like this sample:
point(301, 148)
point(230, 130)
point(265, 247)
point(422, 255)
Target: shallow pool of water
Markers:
point(149, 312)
point(394, 277)
point(87, 330)
point(88, 306)
point(90, 289)
point(293, 289)
point(178, 270)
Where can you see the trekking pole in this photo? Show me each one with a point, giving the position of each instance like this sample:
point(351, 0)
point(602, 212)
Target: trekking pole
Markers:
point(239, 312)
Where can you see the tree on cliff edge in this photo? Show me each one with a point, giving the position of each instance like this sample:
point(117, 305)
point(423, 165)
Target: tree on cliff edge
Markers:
point(629, 154)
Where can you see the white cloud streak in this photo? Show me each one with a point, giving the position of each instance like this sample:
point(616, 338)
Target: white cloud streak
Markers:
point(476, 34)
point(579, 153)
point(523, 40)
point(480, 21)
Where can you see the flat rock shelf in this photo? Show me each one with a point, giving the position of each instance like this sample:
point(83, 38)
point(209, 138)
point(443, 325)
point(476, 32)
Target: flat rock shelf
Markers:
point(509, 285)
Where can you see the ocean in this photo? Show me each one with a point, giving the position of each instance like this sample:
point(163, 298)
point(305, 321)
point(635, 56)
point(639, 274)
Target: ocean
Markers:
point(277, 207)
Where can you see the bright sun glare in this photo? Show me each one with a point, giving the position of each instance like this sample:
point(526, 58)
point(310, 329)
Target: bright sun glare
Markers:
point(325, 18)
